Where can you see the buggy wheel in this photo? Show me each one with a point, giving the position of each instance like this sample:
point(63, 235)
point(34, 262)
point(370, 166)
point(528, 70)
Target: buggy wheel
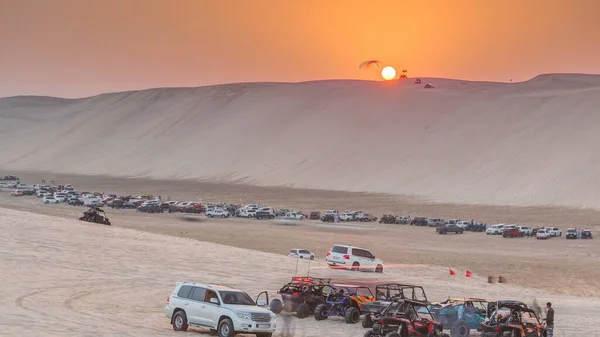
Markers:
point(367, 322)
point(460, 329)
point(352, 315)
point(319, 310)
point(303, 310)
point(276, 306)
point(355, 266)
point(392, 334)
point(368, 333)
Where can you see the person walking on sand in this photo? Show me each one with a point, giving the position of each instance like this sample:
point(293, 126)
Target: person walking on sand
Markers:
point(549, 320)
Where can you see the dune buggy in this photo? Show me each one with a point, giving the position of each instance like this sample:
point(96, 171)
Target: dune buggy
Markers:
point(460, 315)
point(511, 318)
point(385, 294)
point(344, 301)
point(301, 295)
point(406, 318)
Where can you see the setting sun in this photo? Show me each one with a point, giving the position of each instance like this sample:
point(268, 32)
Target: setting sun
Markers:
point(388, 73)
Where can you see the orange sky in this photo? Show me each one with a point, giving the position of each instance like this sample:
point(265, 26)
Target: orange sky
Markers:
point(75, 48)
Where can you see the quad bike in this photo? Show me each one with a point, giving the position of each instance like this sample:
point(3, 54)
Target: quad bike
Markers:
point(96, 215)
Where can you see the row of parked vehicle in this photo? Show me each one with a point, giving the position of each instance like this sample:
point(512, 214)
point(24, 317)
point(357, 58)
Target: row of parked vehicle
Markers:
point(392, 310)
point(540, 233)
point(147, 203)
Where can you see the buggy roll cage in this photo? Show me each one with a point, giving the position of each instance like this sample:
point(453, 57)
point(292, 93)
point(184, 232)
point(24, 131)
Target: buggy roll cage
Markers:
point(310, 281)
point(396, 290)
point(337, 297)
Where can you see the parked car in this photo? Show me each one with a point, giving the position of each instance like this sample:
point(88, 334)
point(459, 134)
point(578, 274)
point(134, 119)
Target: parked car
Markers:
point(293, 216)
point(75, 202)
point(527, 231)
point(542, 233)
point(264, 213)
point(226, 310)
point(449, 228)
point(314, 215)
point(512, 231)
point(217, 213)
point(571, 233)
point(301, 254)
point(366, 217)
point(435, 222)
point(494, 230)
point(50, 200)
point(554, 231)
point(355, 258)
point(463, 224)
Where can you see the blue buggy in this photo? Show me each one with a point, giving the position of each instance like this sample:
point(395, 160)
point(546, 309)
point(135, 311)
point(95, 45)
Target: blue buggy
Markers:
point(344, 301)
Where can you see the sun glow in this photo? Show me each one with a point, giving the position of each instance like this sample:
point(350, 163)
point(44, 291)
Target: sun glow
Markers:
point(388, 73)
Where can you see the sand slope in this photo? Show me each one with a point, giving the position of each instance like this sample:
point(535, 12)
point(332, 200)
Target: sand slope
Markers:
point(535, 142)
point(78, 279)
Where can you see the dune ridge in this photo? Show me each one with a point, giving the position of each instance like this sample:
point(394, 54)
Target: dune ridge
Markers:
point(529, 143)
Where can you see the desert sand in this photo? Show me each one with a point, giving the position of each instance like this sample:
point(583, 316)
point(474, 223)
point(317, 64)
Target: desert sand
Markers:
point(65, 277)
point(528, 143)
point(523, 153)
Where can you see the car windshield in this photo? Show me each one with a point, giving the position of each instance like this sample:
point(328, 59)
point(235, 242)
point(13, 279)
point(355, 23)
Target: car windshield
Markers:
point(236, 297)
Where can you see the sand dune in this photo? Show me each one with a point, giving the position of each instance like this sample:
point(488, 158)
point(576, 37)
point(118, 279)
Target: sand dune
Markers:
point(79, 279)
point(534, 142)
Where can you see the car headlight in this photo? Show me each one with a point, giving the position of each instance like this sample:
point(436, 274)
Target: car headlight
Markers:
point(243, 315)
point(273, 316)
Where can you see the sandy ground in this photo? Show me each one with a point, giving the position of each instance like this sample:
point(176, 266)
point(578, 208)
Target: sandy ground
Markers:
point(528, 143)
point(65, 277)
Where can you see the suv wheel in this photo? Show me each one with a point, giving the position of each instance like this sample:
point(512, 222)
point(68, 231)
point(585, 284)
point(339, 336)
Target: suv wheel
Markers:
point(180, 321)
point(226, 328)
point(355, 266)
point(379, 269)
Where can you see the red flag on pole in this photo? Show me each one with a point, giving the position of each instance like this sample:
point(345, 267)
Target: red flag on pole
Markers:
point(468, 273)
point(452, 272)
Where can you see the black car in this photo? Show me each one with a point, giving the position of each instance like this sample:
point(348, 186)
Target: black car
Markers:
point(264, 215)
point(449, 228)
point(301, 295)
point(153, 208)
point(75, 202)
point(419, 221)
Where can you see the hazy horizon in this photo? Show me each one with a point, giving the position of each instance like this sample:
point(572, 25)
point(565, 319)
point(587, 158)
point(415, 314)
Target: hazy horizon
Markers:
point(73, 49)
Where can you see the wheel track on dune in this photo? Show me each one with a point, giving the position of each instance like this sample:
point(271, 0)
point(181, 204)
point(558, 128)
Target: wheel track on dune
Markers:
point(69, 302)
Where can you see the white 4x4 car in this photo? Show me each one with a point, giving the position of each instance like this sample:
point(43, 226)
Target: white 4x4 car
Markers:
point(224, 310)
point(542, 234)
point(217, 212)
point(301, 254)
point(355, 258)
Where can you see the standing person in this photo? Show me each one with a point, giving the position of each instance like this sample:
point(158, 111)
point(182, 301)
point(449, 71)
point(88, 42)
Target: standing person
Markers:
point(549, 319)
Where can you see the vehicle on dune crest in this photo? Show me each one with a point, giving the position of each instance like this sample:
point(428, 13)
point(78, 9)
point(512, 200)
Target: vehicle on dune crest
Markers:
point(95, 215)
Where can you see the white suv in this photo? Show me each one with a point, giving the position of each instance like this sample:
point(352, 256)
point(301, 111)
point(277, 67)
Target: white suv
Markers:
point(354, 257)
point(222, 309)
point(217, 212)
